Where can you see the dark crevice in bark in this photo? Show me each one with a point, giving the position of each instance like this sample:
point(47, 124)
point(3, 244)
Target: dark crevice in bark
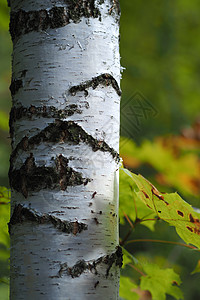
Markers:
point(17, 83)
point(22, 22)
point(81, 8)
point(19, 112)
point(22, 214)
point(33, 178)
point(63, 131)
point(82, 265)
point(104, 79)
point(115, 7)
point(44, 111)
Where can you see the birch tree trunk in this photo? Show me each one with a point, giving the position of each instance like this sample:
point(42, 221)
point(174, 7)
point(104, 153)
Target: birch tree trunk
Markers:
point(64, 125)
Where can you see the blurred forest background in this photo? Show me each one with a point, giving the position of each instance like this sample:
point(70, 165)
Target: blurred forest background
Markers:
point(160, 119)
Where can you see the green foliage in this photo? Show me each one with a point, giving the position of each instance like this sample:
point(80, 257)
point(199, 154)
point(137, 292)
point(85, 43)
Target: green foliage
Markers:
point(175, 160)
point(197, 268)
point(4, 121)
point(130, 204)
point(140, 203)
point(170, 208)
point(160, 282)
point(171, 163)
point(160, 51)
point(157, 281)
point(4, 15)
point(4, 215)
point(127, 287)
point(4, 242)
point(4, 291)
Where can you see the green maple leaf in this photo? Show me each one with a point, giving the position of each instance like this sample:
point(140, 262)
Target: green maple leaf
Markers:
point(160, 282)
point(157, 281)
point(131, 204)
point(170, 208)
point(197, 268)
point(126, 290)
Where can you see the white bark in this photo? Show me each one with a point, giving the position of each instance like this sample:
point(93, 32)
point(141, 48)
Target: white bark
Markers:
point(49, 261)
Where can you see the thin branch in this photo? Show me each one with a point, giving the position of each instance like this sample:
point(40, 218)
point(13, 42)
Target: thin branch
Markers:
point(130, 230)
point(126, 237)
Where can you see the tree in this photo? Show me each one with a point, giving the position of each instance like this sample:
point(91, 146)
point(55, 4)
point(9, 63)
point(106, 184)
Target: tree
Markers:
point(64, 125)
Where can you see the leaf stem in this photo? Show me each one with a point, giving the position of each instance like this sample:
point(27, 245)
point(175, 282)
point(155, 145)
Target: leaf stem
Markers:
point(137, 270)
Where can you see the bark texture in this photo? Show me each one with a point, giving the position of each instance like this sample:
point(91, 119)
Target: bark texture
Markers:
point(64, 125)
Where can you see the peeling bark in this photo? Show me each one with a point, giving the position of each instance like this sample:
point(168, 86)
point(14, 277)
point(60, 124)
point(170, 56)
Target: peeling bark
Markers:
point(63, 131)
point(82, 266)
point(33, 178)
point(17, 113)
point(22, 22)
point(43, 111)
point(23, 214)
point(104, 79)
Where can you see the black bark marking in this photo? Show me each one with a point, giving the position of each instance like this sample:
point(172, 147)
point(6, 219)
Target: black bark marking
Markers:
point(22, 22)
point(63, 131)
point(31, 177)
point(96, 283)
point(96, 220)
point(77, 269)
point(16, 84)
point(116, 257)
point(44, 111)
point(17, 113)
point(23, 214)
point(93, 195)
point(82, 265)
point(115, 7)
point(81, 8)
point(104, 79)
